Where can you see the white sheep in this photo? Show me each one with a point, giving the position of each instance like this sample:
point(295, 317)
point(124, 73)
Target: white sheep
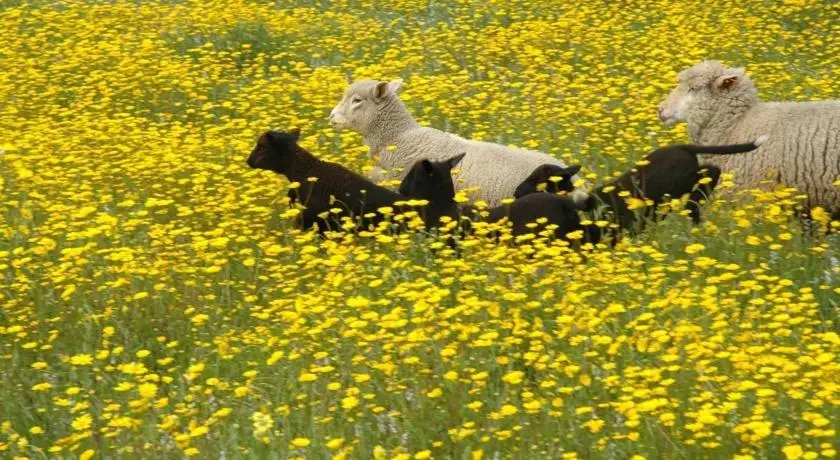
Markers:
point(721, 106)
point(374, 109)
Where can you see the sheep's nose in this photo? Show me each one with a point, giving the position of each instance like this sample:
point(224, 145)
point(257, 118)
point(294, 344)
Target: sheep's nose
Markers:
point(332, 114)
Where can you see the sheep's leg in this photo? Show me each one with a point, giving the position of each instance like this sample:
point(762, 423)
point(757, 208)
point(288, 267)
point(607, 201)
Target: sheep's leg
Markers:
point(702, 192)
point(307, 220)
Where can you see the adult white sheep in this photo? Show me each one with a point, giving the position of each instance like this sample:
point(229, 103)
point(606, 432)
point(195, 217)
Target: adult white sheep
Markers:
point(721, 106)
point(374, 109)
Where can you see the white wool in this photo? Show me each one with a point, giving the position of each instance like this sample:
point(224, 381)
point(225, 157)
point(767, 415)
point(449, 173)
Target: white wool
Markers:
point(374, 109)
point(722, 107)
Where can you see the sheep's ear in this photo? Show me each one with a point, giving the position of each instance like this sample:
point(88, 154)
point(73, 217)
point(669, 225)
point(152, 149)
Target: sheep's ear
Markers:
point(395, 85)
point(295, 133)
point(381, 90)
point(726, 81)
point(453, 162)
point(384, 89)
point(428, 167)
point(572, 170)
point(272, 136)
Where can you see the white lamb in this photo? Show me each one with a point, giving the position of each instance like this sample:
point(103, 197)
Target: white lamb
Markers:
point(721, 106)
point(374, 109)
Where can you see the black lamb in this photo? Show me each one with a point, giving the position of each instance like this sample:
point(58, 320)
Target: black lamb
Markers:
point(432, 181)
point(668, 172)
point(336, 186)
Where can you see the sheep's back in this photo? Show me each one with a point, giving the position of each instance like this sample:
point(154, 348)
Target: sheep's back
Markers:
point(803, 149)
point(496, 169)
point(418, 144)
point(345, 189)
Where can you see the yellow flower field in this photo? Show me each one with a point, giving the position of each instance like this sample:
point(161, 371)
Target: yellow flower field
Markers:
point(157, 303)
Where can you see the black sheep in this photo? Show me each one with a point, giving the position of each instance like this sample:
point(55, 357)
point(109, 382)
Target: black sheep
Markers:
point(667, 172)
point(432, 181)
point(548, 178)
point(336, 187)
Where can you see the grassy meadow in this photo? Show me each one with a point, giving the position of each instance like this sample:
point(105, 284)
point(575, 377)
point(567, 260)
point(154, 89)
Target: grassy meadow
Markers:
point(156, 302)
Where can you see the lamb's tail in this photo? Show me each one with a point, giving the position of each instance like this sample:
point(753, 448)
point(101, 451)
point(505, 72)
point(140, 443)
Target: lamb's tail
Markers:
point(726, 149)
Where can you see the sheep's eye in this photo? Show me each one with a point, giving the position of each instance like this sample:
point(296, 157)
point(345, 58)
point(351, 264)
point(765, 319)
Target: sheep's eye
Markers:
point(356, 99)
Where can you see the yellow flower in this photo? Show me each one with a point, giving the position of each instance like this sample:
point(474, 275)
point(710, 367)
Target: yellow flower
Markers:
point(508, 410)
point(276, 356)
point(223, 412)
point(262, 423)
point(133, 368)
point(124, 386)
point(358, 302)
point(300, 442)
point(379, 453)
point(792, 451)
point(44, 386)
point(513, 377)
point(82, 422)
point(274, 250)
point(127, 200)
point(87, 455)
point(349, 402)
point(532, 406)
point(147, 390)
point(81, 360)
point(694, 248)
point(307, 377)
point(594, 425)
point(199, 431)
point(635, 203)
point(475, 405)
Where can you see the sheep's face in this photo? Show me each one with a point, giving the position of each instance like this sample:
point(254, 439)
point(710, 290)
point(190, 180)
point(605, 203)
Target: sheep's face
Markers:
point(702, 86)
point(274, 150)
point(431, 180)
point(361, 102)
point(548, 178)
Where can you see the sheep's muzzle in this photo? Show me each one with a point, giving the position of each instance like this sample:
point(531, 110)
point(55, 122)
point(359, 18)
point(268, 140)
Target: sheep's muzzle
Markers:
point(254, 159)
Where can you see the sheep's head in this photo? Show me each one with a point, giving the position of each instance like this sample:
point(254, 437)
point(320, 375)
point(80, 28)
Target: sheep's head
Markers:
point(431, 180)
point(702, 88)
point(549, 178)
point(274, 150)
point(361, 102)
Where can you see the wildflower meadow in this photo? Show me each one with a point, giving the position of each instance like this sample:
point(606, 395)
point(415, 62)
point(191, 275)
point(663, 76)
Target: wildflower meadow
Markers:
point(156, 300)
